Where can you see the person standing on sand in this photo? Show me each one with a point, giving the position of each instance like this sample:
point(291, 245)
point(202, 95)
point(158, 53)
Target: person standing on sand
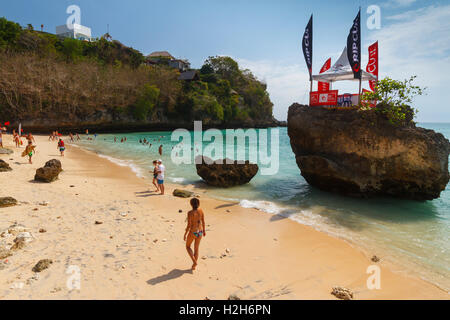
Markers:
point(17, 140)
point(160, 177)
point(195, 230)
point(155, 174)
point(61, 147)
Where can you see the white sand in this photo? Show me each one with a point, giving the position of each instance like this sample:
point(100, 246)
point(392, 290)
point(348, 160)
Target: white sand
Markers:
point(119, 259)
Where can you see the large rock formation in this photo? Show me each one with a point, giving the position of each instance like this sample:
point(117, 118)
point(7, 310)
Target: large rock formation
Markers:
point(227, 174)
point(360, 153)
point(49, 172)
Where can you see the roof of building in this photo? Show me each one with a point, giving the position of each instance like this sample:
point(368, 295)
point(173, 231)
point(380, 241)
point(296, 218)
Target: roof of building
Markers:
point(188, 75)
point(158, 54)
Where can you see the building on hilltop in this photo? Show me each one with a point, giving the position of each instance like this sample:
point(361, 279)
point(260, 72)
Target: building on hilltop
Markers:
point(164, 57)
point(78, 32)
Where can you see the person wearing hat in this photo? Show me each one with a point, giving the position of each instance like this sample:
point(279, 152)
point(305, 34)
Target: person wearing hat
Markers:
point(160, 177)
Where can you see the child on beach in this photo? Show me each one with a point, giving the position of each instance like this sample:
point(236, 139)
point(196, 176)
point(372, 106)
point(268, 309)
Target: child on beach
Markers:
point(29, 151)
point(61, 147)
point(195, 230)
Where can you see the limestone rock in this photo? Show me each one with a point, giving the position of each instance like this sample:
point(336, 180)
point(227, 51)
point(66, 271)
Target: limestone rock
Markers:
point(7, 202)
point(42, 265)
point(359, 153)
point(182, 193)
point(5, 253)
point(228, 174)
point(4, 166)
point(342, 293)
point(49, 172)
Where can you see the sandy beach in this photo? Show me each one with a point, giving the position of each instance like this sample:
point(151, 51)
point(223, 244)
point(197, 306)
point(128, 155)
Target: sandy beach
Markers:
point(137, 250)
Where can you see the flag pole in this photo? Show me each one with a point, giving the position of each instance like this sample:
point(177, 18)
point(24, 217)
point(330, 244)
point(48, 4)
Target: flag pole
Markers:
point(359, 92)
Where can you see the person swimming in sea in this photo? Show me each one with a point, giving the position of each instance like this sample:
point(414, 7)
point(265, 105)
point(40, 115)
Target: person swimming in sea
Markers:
point(195, 230)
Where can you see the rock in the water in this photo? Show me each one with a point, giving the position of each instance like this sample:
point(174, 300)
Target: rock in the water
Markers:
point(228, 174)
point(4, 166)
point(7, 202)
point(342, 293)
point(6, 151)
point(360, 153)
point(182, 193)
point(49, 172)
point(42, 265)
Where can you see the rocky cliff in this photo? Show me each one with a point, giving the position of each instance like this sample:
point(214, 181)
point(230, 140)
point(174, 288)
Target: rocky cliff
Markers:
point(360, 153)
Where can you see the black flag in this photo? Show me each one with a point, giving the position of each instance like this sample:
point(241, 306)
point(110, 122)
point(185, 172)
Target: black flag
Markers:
point(354, 46)
point(307, 46)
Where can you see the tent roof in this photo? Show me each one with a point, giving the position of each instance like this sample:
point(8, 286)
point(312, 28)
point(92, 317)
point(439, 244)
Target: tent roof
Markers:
point(342, 70)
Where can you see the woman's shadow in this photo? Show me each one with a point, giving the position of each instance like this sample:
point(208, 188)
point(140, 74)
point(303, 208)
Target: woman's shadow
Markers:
point(175, 273)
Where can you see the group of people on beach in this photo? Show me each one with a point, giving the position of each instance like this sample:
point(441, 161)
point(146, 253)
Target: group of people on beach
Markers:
point(195, 229)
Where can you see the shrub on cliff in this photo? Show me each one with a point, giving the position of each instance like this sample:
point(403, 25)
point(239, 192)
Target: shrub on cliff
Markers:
point(43, 76)
point(393, 97)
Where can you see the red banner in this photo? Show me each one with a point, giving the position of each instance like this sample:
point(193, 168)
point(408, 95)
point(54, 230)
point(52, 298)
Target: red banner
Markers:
point(372, 66)
point(324, 86)
point(328, 98)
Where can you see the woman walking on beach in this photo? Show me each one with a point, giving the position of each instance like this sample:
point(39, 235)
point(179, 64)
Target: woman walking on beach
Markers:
point(195, 230)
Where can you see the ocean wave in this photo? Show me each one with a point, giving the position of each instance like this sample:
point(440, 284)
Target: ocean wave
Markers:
point(124, 163)
point(265, 206)
point(177, 180)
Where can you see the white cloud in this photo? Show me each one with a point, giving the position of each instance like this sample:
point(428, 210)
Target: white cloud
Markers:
point(398, 3)
point(286, 82)
point(418, 43)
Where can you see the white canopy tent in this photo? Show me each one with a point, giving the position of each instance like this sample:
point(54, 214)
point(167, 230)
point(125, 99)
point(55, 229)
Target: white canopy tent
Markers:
point(342, 70)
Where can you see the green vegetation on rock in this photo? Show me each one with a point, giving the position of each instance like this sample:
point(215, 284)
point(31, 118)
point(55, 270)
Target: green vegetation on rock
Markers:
point(43, 76)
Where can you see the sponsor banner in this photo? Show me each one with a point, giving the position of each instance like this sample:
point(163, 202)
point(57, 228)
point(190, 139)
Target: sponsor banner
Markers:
point(324, 86)
point(372, 65)
point(307, 46)
point(354, 46)
point(328, 98)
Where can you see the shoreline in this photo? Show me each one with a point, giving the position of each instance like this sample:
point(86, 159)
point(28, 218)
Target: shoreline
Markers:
point(269, 258)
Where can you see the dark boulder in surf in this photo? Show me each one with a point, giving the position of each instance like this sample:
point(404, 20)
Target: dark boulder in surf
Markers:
point(360, 153)
point(225, 173)
point(49, 172)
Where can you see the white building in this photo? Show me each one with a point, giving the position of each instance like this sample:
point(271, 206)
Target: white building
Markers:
point(78, 32)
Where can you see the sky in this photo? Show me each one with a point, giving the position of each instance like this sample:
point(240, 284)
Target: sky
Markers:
point(265, 37)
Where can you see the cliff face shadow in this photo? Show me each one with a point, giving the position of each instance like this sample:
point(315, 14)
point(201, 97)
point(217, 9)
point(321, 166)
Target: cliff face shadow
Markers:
point(174, 274)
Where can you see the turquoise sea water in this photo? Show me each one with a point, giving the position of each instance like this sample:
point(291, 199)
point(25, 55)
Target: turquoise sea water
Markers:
point(413, 235)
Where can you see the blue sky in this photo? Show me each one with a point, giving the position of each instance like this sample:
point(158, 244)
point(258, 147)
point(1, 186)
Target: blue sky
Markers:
point(265, 36)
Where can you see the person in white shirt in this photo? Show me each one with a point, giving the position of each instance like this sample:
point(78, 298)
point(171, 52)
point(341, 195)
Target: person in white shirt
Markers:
point(160, 177)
